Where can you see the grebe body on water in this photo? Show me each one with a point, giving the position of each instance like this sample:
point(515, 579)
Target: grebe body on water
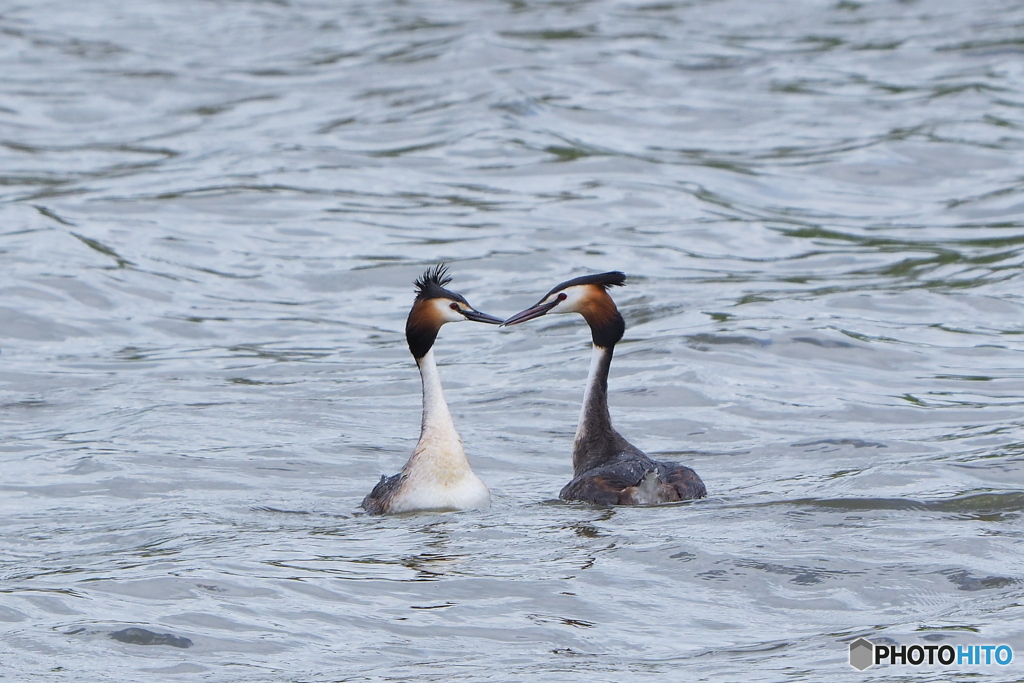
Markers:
point(437, 475)
point(607, 469)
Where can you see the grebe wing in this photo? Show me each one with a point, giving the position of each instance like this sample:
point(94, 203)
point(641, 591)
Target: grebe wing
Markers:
point(605, 484)
point(379, 500)
point(633, 480)
point(685, 481)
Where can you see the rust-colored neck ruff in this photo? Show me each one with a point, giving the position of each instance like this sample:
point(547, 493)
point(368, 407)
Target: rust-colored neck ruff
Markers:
point(600, 312)
point(421, 327)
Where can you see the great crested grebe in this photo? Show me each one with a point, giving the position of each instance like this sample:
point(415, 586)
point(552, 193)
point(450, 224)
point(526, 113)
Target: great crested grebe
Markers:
point(437, 475)
point(607, 469)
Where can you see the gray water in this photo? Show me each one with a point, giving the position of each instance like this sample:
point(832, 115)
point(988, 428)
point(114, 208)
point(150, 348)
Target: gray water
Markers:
point(211, 214)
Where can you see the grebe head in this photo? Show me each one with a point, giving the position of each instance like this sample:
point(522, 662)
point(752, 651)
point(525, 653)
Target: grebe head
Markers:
point(435, 306)
point(588, 296)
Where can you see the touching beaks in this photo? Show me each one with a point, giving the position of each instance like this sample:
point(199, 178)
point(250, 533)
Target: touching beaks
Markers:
point(531, 313)
point(478, 317)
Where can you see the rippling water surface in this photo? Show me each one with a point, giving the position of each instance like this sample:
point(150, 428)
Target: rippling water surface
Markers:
point(212, 213)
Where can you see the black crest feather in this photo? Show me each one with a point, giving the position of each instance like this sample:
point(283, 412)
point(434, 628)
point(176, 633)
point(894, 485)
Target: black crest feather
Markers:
point(421, 328)
point(431, 284)
point(613, 278)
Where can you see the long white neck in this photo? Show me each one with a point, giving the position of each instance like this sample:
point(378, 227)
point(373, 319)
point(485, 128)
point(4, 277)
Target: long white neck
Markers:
point(594, 419)
point(437, 475)
point(437, 430)
point(595, 396)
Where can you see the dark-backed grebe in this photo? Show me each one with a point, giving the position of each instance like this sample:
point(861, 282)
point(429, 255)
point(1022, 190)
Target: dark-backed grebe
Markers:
point(607, 469)
point(437, 476)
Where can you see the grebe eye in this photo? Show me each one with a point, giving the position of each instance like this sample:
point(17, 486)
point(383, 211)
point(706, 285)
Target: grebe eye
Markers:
point(562, 296)
point(454, 306)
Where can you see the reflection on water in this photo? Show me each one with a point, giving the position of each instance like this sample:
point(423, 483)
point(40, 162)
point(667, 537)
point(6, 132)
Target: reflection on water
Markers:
point(213, 214)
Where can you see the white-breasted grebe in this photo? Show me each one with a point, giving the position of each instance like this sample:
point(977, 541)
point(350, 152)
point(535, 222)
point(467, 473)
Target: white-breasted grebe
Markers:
point(437, 475)
point(607, 469)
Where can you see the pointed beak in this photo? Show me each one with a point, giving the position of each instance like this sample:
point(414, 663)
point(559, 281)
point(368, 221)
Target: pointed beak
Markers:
point(478, 317)
point(530, 313)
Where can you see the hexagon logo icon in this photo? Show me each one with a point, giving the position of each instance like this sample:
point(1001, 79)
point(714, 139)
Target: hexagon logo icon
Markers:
point(862, 654)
